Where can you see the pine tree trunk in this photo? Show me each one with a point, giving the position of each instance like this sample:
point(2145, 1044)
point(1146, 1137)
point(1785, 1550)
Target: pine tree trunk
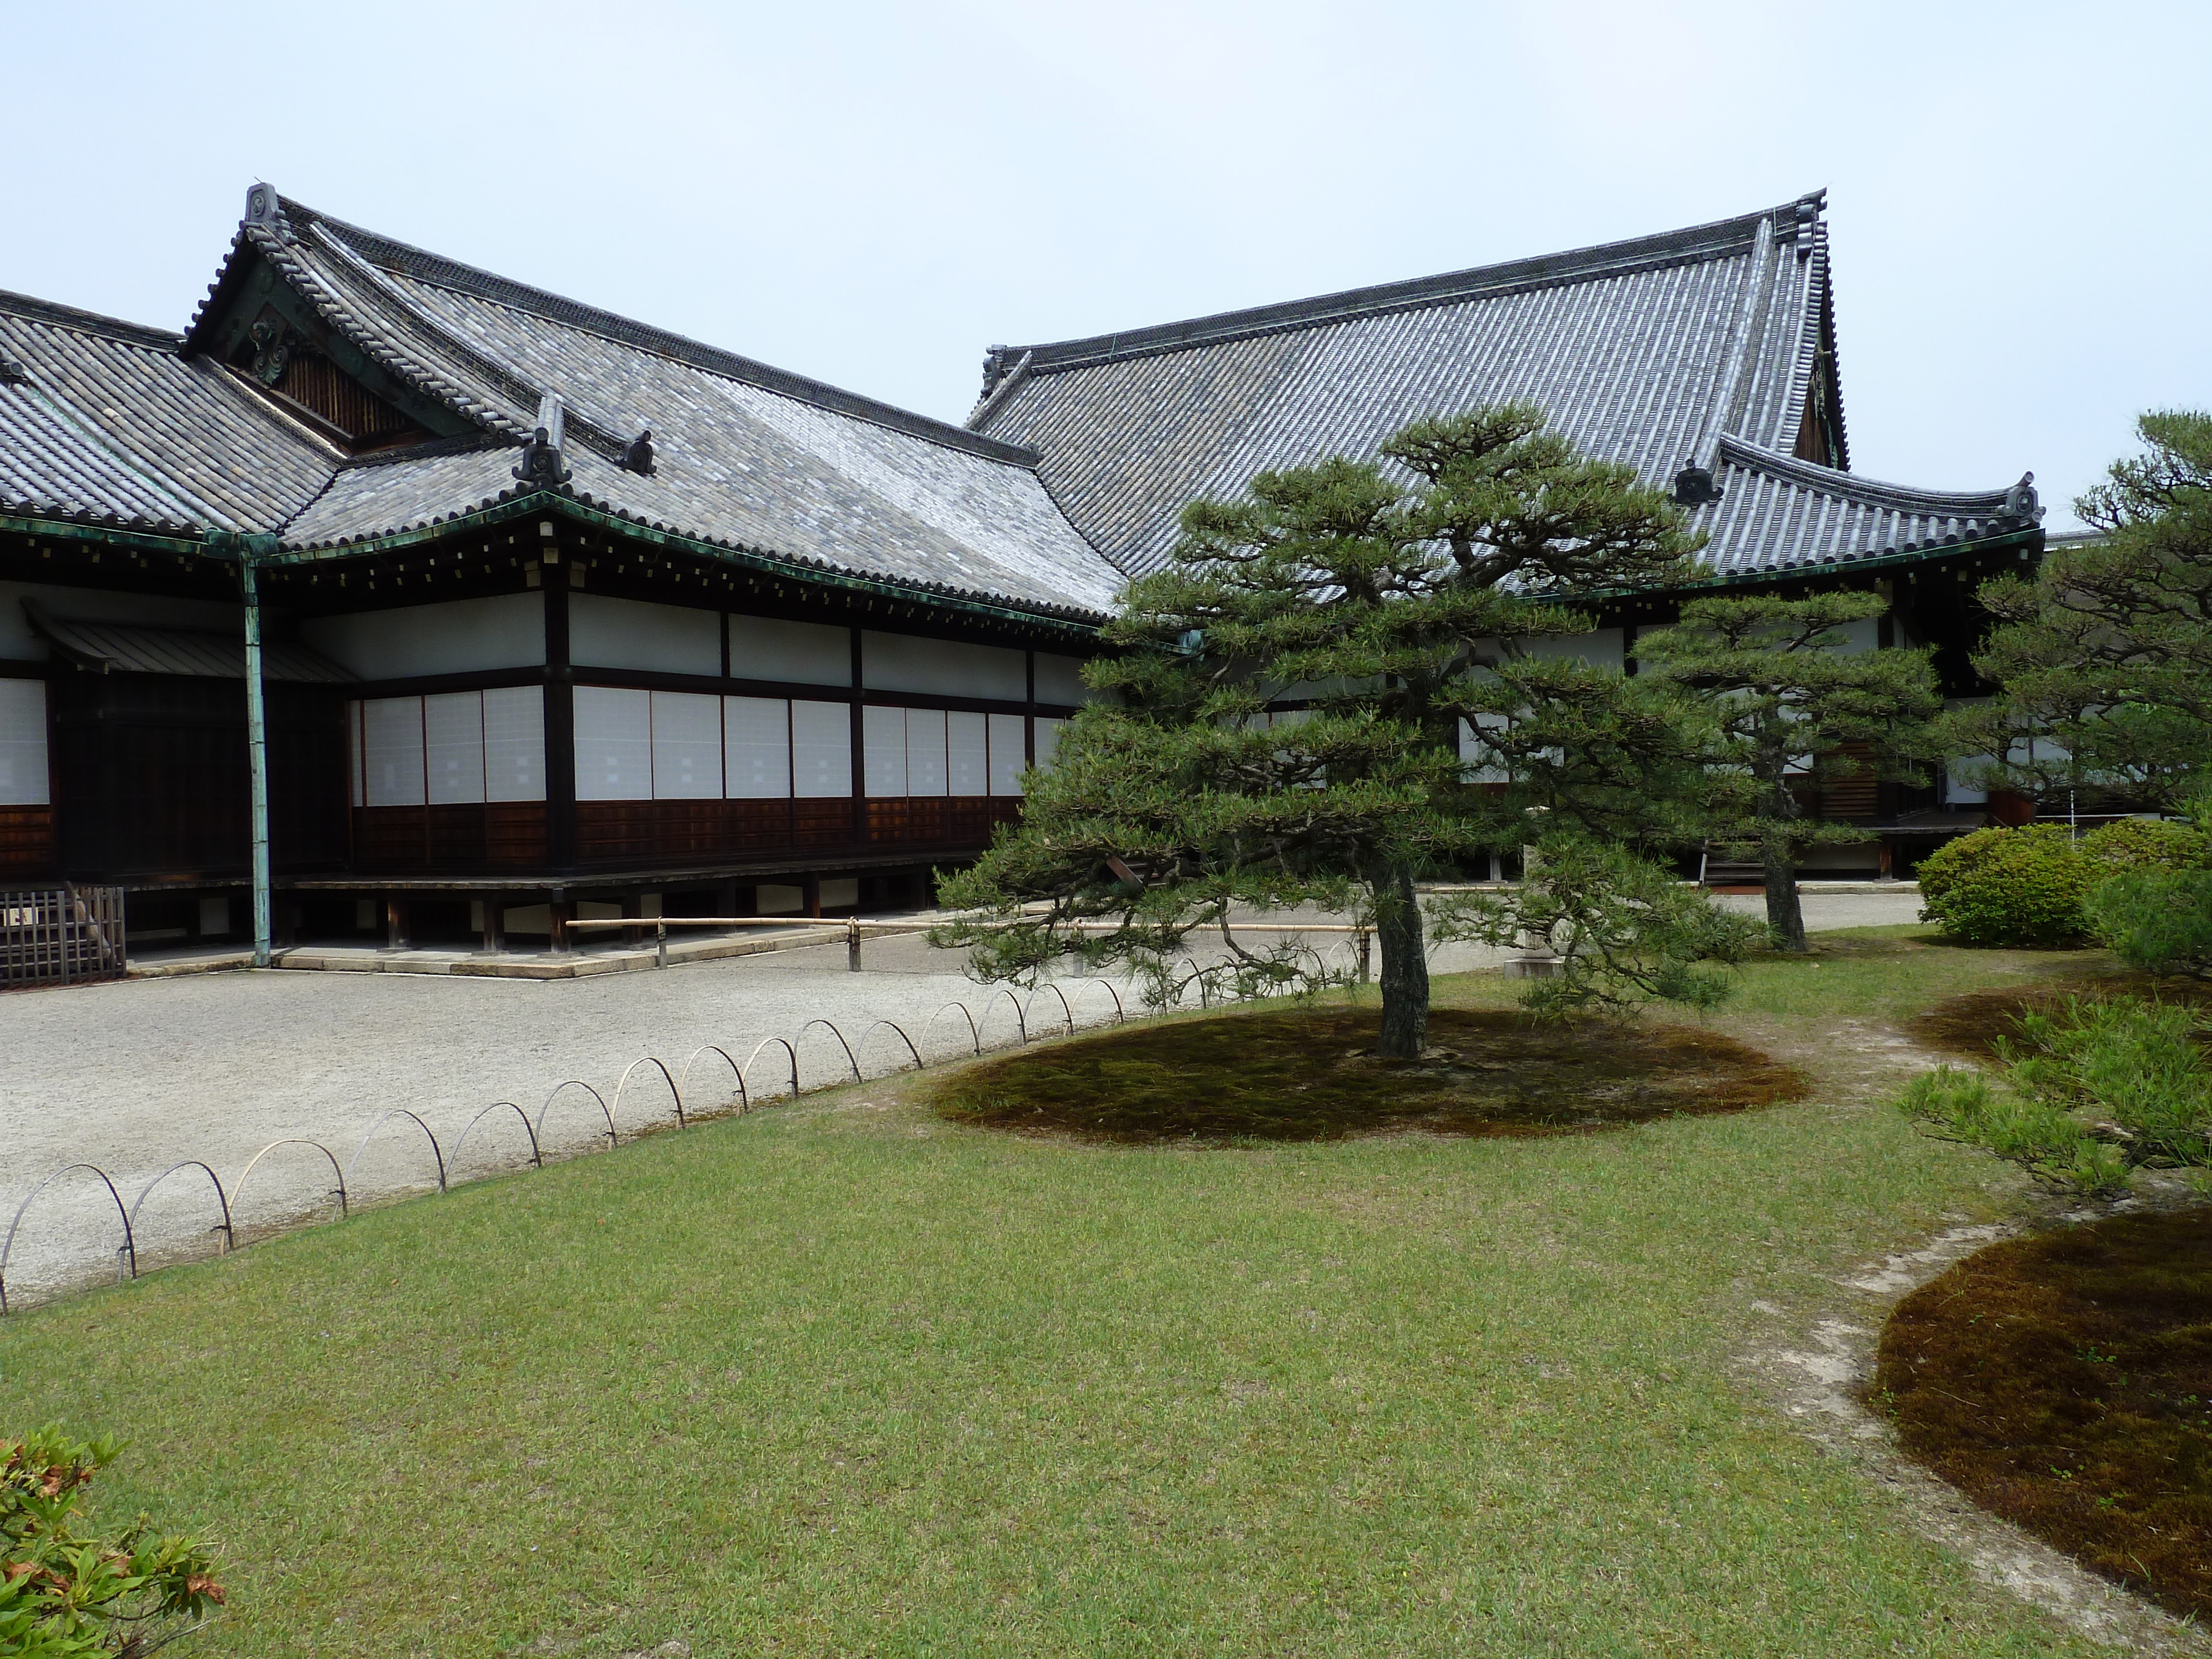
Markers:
point(1785, 916)
point(1404, 966)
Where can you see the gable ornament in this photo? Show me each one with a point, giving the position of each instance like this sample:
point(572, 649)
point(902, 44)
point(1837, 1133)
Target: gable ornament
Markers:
point(1694, 486)
point(542, 467)
point(2022, 506)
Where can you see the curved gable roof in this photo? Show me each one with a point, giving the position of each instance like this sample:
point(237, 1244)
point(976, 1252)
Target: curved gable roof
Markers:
point(133, 424)
point(1656, 352)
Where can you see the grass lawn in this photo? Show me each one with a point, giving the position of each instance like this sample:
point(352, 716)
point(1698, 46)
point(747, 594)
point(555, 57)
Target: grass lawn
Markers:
point(840, 1377)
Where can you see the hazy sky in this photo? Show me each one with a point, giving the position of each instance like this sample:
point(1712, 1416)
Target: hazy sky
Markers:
point(873, 194)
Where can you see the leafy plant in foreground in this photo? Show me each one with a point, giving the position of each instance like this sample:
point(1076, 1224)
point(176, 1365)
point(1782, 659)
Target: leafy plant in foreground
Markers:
point(68, 1592)
point(2050, 1144)
point(2087, 1094)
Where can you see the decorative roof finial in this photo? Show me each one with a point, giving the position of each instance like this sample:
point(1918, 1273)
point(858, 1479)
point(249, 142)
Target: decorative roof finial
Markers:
point(1693, 486)
point(542, 466)
point(2022, 506)
point(263, 205)
point(638, 458)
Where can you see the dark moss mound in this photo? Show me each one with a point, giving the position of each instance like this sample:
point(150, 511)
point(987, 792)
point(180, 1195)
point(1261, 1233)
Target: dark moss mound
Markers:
point(1303, 1074)
point(1972, 1023)
point(2065, 1383)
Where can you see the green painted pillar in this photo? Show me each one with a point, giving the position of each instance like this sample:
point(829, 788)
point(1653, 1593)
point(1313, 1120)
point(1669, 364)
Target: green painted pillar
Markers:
point(257, 741)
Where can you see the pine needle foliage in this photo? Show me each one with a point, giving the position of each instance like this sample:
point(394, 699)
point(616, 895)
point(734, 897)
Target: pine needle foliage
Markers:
point(1326, 697)
point(1789, 701)
point(2105, 658)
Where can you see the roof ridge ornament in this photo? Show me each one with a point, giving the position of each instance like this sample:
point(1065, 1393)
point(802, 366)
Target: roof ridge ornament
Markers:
point(542, 466)
point(1693, 486)
point(263, 206)
point(2022, 506)
point(638, 458)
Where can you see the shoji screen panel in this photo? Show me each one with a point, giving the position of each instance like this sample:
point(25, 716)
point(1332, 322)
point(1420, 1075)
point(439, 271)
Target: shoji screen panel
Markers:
point(614, 743)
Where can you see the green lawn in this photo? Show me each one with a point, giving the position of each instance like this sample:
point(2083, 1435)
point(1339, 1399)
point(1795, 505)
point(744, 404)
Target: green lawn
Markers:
point(840, 1378)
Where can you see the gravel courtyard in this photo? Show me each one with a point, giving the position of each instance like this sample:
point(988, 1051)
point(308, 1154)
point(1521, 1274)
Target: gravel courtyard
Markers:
point(137, 1076)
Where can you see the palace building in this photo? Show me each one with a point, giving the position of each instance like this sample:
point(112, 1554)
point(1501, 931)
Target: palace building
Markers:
point(560, 614)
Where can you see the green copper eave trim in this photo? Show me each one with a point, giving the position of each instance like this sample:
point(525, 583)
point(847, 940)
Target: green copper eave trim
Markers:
point(542, 503)
point(67, 530)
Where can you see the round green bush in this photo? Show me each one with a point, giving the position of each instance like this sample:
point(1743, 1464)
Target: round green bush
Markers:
point(2008, 886)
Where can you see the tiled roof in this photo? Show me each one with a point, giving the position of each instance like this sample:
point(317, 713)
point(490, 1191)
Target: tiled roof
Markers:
point(745, 457)
point(103, 421)
point(1778, 513)
point(106, 647)
point(1699, 345)
point(1652, 352)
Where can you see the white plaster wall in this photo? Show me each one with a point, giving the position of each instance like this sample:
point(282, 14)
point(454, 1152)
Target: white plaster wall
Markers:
point(1600, 650)
point(1059, 679)
point(457, 636)
point(1865, 635)
point(19, 643)
point(904, 662)
point(805, 653)
point(666, 639)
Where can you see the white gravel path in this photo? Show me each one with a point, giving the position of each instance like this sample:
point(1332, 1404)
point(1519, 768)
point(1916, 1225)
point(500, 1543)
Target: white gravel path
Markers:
point(135, 1076)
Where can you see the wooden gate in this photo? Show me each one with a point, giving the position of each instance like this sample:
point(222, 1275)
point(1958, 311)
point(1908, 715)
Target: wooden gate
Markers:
point(60, 935)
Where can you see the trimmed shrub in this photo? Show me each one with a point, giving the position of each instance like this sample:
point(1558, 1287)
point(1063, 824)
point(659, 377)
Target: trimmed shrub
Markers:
point(2007, 887)
point(2158, 921)
point(2147, 844)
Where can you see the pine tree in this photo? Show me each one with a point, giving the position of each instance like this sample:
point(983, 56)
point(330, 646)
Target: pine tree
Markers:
point(1786, 699)
point(1323, 698)
point(2104, 659)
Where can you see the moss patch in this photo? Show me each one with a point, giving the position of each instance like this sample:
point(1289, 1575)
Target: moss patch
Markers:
point(1306, 1074)
point(2065, 1383)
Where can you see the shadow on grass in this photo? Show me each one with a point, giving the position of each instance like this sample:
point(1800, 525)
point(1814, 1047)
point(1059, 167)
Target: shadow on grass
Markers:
point(1304, 1074)
point(2065, 1383)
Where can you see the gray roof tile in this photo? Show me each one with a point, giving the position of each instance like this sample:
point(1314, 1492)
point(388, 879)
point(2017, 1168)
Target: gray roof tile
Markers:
point(1652, 352)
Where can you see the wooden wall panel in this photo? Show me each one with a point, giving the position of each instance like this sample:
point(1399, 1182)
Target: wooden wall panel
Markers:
point(27, 843)
point(465, 840)
point(514, 835)
point(640, 834)
point(152, 775)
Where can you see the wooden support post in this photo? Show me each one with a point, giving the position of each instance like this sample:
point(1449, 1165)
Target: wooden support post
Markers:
point(810, 888)
point(257, 758)
point(395, 925)
point(558, 926)
point(852, 945)
point(726, 900)
point(494, 924)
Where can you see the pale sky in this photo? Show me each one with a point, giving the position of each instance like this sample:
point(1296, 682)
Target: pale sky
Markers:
point(873, 194)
